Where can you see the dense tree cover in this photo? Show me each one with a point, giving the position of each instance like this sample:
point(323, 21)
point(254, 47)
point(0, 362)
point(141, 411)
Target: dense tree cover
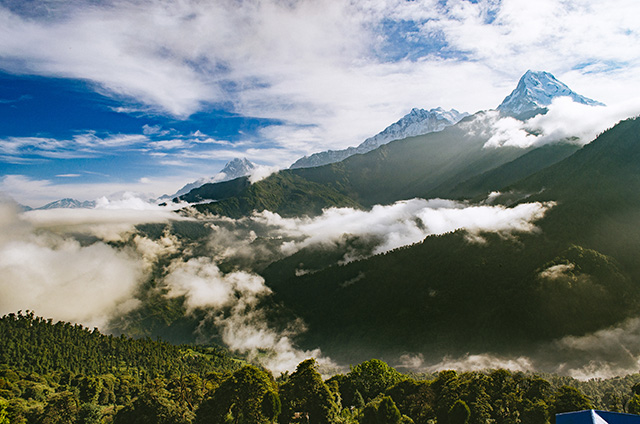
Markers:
point(155, 382)
point(450, 295)
point(33, 344)
point(60, 372)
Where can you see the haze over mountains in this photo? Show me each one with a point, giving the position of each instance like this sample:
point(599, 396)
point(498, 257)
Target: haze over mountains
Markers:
point(416, 122)
point(437, 164)
point(456, 246)
point(233, 169)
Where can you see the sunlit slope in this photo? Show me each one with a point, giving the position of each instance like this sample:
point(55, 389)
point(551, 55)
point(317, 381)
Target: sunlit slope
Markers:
point(423, 166)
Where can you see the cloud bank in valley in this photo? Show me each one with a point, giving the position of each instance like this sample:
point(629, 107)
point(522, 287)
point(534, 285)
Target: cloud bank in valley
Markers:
point(605, 353)
point(59, 264)
point(403, 223)
point(56, 276)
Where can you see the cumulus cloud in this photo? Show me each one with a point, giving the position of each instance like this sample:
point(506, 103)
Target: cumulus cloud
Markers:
point(55, 276)
point(565, 121)
point(231, 302)
point(261, 172)
point(80, 146)
point(603, 354)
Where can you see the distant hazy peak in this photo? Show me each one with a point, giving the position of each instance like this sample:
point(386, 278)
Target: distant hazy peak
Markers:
point(233, 169)
point(536, 90)
point(416, 122)
point(238, 168)
point(68, 203)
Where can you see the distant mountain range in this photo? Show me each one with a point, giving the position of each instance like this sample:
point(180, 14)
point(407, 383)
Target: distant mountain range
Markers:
point(574, 274)
point(68, 203)
point(535, 91)
point(416, 122)
point(446, 296)
point(451, 163)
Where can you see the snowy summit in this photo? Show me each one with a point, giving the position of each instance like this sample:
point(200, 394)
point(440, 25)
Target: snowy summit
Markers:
point(235, 168)
point(417, 122)
point(536, 90)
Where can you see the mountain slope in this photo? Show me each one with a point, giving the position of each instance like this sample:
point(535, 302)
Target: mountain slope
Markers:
point(513, 171)
point(450, 162)
point(446, 295)
point(423, 166)
point(416, 122)
point(235, 168)
point(285, 193)
point(68, 203)
point(599, 189)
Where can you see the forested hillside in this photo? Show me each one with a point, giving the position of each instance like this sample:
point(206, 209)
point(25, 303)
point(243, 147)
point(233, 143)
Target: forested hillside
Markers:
point(64, 373)
point(451, 294)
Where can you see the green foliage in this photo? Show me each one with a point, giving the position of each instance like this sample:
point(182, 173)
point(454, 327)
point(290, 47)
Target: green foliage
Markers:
point(569, 399)
point(34, 344)
point(358, 400)
point(373, 377)
point(388, 412)
point(61, 408)
point(305, 392)
point(633, 407)
point(250, 395)
point(4, 418)
point(459, 413)
point(416, 399)
point(271, 406)
point(536, 412)
point(152, 407)
point(89, 413)
point(241, 397)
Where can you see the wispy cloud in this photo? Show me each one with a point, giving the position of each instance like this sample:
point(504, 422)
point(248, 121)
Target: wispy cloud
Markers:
point(37, 192)
point(86, 145)
point(335, 69)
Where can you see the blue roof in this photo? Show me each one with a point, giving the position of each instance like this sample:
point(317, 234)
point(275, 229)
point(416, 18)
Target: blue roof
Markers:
point(596, 417)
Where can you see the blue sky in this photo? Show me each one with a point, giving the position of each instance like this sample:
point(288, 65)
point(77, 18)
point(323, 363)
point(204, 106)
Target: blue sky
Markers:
point(147, 95)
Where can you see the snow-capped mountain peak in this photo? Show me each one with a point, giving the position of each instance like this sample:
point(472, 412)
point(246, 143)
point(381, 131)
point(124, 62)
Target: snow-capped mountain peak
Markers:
point(536, 90)
point(235, 168)
point(68, 203)
point(416, 122)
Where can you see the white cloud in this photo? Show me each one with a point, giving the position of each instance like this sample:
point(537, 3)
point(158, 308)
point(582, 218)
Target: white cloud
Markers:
point(404, 223)
point(482, 362)
point(316, 65)
point(110, 221)
point(55, 276)
point(231, 301)
point(87, 145)
point(35, 193)
point(260, 172)
point(565, 120)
